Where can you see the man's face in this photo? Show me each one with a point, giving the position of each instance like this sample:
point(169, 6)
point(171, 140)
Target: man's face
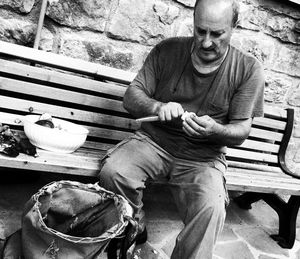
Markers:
point(212, 30)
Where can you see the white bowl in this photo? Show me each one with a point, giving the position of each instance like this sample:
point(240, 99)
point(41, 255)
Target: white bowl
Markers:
point(66, 137)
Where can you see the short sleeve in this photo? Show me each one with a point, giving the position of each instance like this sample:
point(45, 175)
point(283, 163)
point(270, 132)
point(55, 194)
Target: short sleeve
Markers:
point(248, 99)
point(148, 76)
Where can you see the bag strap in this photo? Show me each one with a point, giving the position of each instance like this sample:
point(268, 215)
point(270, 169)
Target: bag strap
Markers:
point(124, 242)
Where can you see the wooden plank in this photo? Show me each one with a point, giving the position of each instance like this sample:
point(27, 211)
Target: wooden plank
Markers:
point(276, 177)
point(233, 166)
point(275, 111)
point(270, 123)
point(249, 155)
point(91, 146)
point(57, 94)
point(260, 185)
point(265, 134)
point(11, 119)
point(50, 76)
point(67, 113)
point(14, 119)
point(260, 146)
point(107, 133)
point(53, 162)
point(248, 186)
point(97, 145)
point(67, 63)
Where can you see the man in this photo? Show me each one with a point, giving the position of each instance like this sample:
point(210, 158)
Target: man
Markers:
point(223, 88)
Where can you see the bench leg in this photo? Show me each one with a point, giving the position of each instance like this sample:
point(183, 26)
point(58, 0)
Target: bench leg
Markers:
point(245, 200)
point(287, 213)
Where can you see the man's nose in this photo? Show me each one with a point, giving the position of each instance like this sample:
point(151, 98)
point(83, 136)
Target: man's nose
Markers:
point(207, 42)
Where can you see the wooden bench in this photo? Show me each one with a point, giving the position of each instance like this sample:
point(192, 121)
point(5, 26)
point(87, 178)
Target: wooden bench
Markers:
point(37, 82)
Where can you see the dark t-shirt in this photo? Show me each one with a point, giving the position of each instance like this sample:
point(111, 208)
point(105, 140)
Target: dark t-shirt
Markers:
point(233, 91)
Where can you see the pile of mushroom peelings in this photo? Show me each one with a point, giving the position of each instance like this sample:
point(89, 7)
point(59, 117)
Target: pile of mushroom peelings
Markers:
point(12, 145)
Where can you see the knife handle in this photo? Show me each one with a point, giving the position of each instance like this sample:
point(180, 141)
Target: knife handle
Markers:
point(148, 119)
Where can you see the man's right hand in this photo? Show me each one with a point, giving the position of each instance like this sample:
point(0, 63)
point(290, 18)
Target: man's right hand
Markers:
point(169, 111)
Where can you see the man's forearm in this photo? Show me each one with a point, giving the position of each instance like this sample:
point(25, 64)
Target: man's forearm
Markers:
point(231, 134)
point(138, 103)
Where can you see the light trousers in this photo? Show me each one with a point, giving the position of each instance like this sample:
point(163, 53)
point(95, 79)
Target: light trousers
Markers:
point(198, 189)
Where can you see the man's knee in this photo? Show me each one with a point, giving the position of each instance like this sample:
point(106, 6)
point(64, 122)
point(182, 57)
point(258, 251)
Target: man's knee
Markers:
point(126, 176)
point(109, 173)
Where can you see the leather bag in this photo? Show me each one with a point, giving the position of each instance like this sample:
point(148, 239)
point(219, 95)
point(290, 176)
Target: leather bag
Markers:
point(68, 219)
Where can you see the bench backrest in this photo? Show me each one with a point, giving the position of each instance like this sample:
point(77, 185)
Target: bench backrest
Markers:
point(33, 81)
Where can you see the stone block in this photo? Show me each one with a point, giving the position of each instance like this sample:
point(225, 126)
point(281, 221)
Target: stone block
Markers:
point(188, 3)
point(282, 28)
point(74, 48)
point(46, 40)
point(259, 45)
point(275, 24)
point(18, 31)
point(277, 87)
point(140, 24)
point(21, 6)
point(81, 14)
point(296, 131)
point(287, 60)
point(297, 155)
point(185, 27)
point(251, 17)
point(267, 257)
point(294, 97)
point(107, 54)
point(280, 7)
point(166, 13)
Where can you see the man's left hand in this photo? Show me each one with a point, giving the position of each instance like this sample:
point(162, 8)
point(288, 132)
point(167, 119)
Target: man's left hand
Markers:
point(202, 126)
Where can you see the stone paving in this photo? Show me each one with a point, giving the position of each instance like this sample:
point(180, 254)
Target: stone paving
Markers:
point(245, 234)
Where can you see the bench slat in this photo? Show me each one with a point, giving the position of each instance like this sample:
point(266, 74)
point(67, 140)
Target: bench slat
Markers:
point(279, 175)
point(265, 134)
point(245, 185)
point(260, 146)
point(271, 123)
point(117, 135)
point(275, 111)
point(249, 155)
point(32, 73)
point(66, 113)
point(235, 165)
point(98, 145)
point(277, 185)
point(66, 63)
point(60, 94)
point(107, 133)
point(90, 146)
point(52, 162)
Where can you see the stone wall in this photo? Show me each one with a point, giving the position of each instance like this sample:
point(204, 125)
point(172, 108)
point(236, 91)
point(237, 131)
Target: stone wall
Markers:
point(120, 33)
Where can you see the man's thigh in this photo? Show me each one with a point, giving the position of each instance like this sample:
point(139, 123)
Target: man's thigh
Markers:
point(198, 186)
point(136, 157)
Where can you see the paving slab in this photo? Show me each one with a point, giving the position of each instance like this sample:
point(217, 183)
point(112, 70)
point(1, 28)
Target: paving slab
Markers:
point(260, 240)
point(234, 250)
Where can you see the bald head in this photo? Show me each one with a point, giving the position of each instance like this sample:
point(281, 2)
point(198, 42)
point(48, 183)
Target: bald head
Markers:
point(213, 25)
point(221, 6)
